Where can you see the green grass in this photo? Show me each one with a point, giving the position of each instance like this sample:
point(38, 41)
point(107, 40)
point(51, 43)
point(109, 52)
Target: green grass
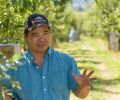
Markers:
point(92, 53)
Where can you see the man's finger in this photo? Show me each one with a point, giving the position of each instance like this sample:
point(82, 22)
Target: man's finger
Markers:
point(85, 71)
point(90, 73)
point(92, 79)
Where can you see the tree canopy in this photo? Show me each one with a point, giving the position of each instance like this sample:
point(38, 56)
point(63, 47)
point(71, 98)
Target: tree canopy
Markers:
point(14, 12)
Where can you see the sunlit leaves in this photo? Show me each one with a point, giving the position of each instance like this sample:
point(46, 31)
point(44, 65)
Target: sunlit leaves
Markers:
point(6, 81)
point(14, 12)
point(99, 2)
point(103, 18)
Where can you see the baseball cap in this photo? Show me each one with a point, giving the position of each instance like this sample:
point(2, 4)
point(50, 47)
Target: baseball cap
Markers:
point(33, 21)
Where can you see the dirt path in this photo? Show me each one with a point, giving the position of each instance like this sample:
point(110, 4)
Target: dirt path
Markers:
point(108, 75)
point(108, 82)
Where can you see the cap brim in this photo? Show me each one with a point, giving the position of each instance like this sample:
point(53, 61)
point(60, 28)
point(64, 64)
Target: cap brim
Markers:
point(32, 28)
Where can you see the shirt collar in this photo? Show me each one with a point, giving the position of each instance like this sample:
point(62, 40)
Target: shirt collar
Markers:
point(49, 51)
point(30, 55)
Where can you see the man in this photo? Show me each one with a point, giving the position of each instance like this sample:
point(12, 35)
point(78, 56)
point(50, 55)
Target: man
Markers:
point(46, 74)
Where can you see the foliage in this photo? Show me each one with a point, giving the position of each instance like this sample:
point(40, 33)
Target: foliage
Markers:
point(102, 18)
point(14, 12)
point(109, 11)
point(7, 83)
point(92, 23)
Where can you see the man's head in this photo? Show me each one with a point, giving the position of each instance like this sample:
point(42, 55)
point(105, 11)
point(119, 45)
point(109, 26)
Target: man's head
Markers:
point(37, 33)
point(33, 21)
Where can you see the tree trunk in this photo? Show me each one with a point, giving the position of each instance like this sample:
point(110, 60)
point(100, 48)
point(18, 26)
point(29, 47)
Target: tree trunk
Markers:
point(113, 41)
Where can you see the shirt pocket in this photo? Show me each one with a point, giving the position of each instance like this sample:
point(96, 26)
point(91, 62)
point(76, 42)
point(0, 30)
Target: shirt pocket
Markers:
point(58, 81)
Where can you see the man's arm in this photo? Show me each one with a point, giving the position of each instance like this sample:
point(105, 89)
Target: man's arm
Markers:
point(8, 96)
point(81, 92)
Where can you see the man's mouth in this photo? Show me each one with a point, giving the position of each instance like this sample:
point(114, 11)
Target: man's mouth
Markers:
point(41, 44)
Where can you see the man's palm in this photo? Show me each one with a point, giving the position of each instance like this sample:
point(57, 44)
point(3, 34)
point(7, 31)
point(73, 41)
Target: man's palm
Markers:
point(84, 79)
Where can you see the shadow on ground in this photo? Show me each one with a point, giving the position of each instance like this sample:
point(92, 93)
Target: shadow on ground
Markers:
point(106, 83)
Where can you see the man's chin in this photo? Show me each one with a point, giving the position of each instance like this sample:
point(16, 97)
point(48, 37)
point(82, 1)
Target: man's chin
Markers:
point(42, 50)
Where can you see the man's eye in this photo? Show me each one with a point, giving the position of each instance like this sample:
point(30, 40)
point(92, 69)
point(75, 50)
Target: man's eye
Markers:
point(45, 33)
point(35, 35)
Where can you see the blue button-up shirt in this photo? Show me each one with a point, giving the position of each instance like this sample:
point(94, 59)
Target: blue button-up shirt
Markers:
point(51, 81)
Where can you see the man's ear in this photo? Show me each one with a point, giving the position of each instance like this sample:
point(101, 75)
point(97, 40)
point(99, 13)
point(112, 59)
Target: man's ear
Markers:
point(25, 38)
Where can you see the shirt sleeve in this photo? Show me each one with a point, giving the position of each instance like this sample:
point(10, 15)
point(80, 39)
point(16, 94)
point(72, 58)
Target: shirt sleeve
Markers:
point(17, 93)
point(72, 70)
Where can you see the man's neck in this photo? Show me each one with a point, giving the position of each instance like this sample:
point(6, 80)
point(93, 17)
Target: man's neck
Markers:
point(39, 57)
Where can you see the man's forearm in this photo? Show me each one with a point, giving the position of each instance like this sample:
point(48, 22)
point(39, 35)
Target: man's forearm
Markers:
point(8, 96)
point(82, 91)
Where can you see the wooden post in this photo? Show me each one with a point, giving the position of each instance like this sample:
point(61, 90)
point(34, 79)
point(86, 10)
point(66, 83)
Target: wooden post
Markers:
point(10, 49)
point(16, 48)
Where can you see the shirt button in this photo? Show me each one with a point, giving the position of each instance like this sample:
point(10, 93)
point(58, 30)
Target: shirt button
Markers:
point(43, 77)
point(32, 58)
point(37, 67)
point(44, 89)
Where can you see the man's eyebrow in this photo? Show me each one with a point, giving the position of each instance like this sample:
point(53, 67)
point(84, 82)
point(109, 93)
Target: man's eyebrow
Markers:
point(33, 33)
point(46, 31)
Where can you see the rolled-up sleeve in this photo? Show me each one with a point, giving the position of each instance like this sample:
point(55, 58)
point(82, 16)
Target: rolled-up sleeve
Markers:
point(72, 70)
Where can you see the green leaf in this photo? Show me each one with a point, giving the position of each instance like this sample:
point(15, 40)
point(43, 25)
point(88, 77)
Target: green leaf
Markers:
point(13, 2)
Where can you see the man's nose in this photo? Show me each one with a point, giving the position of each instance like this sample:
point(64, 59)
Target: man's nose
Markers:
point(41, 37)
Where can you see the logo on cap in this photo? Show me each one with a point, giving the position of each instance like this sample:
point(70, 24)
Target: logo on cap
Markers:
point(38, 20)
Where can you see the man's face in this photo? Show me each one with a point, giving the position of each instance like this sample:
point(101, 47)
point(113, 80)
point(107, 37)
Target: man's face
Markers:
point(38, 39)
